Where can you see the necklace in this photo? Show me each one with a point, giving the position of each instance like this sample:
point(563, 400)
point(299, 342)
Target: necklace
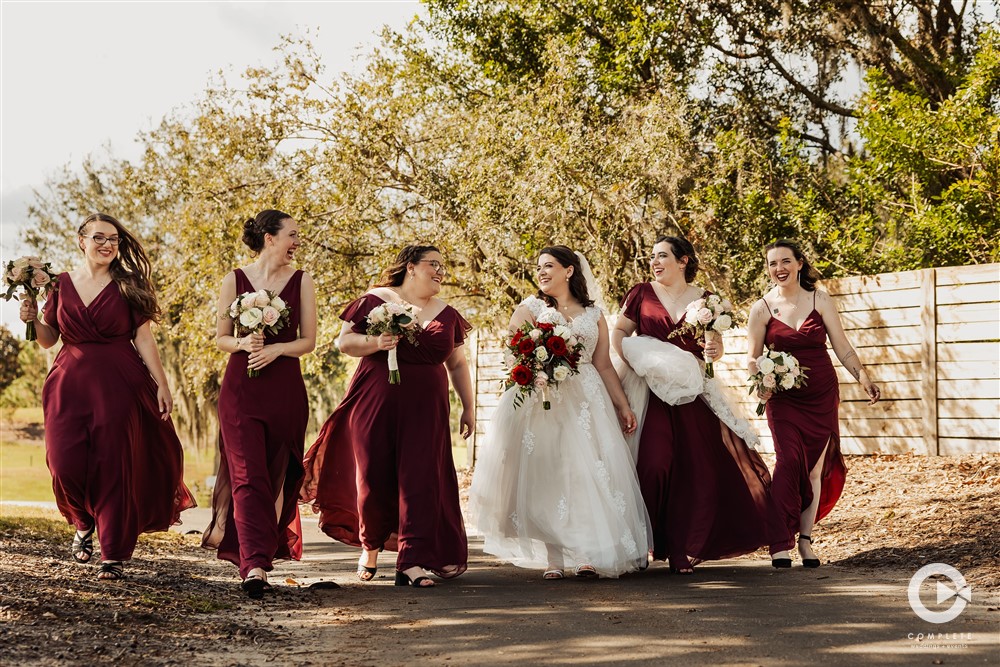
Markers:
point(674, 299)
point(792, 306)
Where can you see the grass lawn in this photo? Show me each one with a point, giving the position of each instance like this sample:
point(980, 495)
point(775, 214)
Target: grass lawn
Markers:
point(23, 475)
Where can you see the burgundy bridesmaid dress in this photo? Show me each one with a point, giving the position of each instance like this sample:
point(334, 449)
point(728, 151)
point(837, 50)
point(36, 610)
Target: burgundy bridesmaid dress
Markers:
point(381, 473)
point(705, 490)
point(114, 462)
point(255, 516)
point(803, 421)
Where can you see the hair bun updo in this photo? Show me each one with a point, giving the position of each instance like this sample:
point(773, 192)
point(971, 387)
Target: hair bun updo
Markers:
point(268, 221)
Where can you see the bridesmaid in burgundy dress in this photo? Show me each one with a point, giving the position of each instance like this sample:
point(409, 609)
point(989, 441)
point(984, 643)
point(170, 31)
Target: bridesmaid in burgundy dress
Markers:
point(116, 463)
point(381, 473)
point(705, 489)
point(263, 419)
point(809, 470)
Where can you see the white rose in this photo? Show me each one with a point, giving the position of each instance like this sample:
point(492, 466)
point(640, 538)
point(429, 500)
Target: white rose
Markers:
point(705, 315)
point(713, 300)
point(535, 334)
point(541, 353)
point(269, 315)
point(251, 318)
point(727, 305)
point(561, 331)
point(509, 359)
point(780, 370)
point(278, 303)
point(246, 301)
point(560, 373)
point(21, 262)
point(261, 299)
point(765, 365)
point(723, 323)
point(787, 382)
point(377, 315)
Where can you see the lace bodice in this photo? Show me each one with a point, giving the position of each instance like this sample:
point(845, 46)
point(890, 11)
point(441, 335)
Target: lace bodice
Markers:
point(585, 326)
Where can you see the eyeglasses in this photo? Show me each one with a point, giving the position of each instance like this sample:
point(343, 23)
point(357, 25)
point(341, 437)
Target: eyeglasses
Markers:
point(101, 239)
point(436, 265)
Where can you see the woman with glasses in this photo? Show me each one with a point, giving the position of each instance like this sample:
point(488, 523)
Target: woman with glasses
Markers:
point(381, 473)
point(117, 465)
point(263, 419)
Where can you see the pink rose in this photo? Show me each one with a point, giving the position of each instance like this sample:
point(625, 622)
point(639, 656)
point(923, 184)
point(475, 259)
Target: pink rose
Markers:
point(40, 279)
point(35, 263)
point(705, 315)
point(270, 315)
point(261, 299)
point(248, 300)
point(768, 381)
point(16, 275)
point(541, 380)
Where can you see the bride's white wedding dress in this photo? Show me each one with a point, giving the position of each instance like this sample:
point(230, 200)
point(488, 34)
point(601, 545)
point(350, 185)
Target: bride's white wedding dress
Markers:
point(558, 487)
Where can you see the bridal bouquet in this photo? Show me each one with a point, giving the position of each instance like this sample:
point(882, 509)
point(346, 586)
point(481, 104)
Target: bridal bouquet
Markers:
point(540, 356)
point(262, 311)
point(33, 276)
point(708, 318)
point(397, 319)
point(776, 371)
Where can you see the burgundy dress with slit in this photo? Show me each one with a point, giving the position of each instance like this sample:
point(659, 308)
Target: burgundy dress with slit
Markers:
point(381, 473)
point(114, 462)
point(255, 516)
point(803, 421)
point(704, 488)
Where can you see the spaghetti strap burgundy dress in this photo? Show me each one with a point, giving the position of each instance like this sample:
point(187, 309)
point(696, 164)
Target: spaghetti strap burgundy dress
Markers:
point(705, 489)
point(255, 516)
point(381, 473)
point(803, 422)
point(114, 462)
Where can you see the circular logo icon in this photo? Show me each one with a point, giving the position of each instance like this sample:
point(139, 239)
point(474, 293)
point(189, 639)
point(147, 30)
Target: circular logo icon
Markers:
point(958, 591)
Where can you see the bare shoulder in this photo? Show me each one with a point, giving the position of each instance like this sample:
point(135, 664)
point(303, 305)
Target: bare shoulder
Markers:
point(384, 293)
point(824, 301)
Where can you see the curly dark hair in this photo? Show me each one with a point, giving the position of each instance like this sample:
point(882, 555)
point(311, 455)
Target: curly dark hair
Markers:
point(130, 268)
point(394, 274)
point(681, 248)
point(577, 282)
point(808, 275)
point(268, 221)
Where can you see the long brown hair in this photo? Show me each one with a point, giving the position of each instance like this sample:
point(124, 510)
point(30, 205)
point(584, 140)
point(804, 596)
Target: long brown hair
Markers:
point(808, 275)
point(577, 281)
point(393, 276)
point(130, 269)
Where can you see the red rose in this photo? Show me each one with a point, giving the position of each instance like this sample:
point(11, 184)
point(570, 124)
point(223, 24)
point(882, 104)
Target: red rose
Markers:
point(521, 374)
point(526, 346)
point(556, 345)
point(546, 326)
point(516, 339)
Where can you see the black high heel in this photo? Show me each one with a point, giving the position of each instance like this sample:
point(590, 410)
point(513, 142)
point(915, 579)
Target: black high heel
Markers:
point(809, 562)
point(403, 579)
point(781, 563)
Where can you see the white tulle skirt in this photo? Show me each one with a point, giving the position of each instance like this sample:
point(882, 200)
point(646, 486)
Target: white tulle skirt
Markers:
point(558, 487)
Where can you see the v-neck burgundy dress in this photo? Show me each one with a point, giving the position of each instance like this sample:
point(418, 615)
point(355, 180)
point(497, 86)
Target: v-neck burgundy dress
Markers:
point(803, 421)
point(114, 462)
point(381, 473)
point(255, 516)
point(705, 490)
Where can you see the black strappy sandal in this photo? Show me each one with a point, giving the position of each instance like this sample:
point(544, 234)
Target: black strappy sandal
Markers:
point(112, 570)
point(83, 543)
point(254, 586)
point(809, 562)
point(403, 579)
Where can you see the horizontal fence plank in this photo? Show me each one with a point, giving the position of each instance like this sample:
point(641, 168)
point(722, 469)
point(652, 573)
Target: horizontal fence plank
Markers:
point(881, 281)
point(975, 408)
point(883, 409)
point(968, 332)
point(969, 428)
point(904, 298)
point(881, 372)
point(871, 319)
point(956, 446)
point(968, 312)
point(963, 389)
point(882, 427)
point(968, 370)
point(960, 275)
point(968, 352)
point(881, 445)
point(969, 293)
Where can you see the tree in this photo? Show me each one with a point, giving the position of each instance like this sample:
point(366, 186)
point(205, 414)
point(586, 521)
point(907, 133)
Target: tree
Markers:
point(10, 369)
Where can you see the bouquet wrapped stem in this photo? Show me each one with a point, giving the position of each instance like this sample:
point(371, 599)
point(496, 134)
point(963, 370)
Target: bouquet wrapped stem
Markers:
point(709, 337)
point(393, 367)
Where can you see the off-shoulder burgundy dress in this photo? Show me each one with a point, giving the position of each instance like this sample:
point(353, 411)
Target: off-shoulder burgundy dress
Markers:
point(803, 421)
point(705, 489)
point(255, 516)
point(114, 462)
point(381, 473)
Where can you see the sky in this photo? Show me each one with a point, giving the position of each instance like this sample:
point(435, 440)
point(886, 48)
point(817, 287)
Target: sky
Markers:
point(84, 77)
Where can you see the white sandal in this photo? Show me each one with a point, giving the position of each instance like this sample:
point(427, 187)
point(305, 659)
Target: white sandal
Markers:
point(553, 574)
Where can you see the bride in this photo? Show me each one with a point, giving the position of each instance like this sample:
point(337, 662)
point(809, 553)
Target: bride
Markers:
point(557, 488)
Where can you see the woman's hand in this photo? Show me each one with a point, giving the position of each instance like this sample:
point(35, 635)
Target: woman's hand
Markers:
point(626, 418)
point(714, 348)
point(264, 356)
point(873, 391)
point(467, 423)
point(165, 401)
point(764, 394)
point(29, 311)
point(387, 341)
point(251, 343)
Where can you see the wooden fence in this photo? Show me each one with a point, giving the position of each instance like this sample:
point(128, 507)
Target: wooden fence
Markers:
point(930, 339)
